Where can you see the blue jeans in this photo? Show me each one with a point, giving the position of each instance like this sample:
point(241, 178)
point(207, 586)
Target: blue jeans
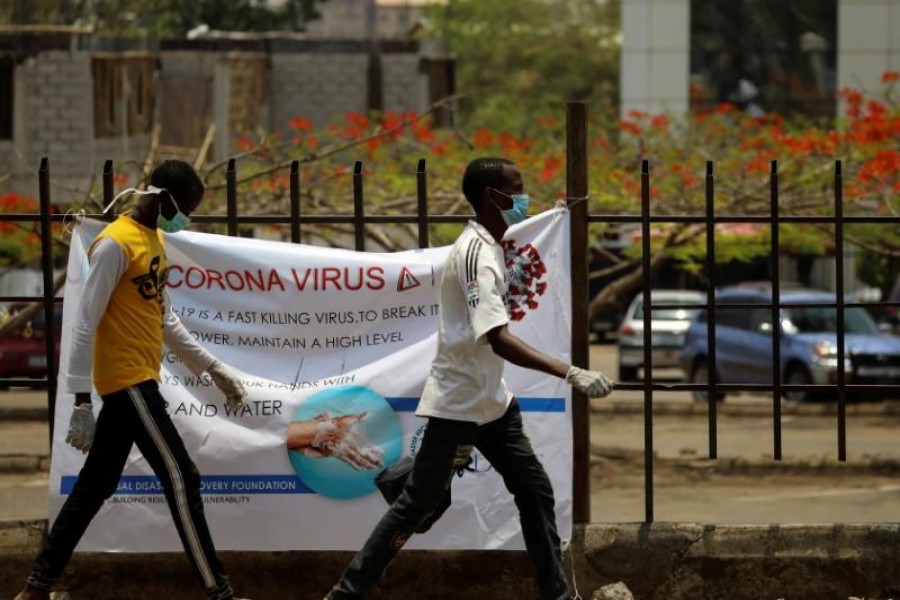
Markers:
point(446, 446)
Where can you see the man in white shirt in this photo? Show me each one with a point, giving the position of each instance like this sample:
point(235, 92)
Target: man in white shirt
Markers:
point(466, 400)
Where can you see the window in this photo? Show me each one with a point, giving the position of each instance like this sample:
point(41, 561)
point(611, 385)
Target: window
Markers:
point(7, 79)
point(123, 94)
point(764, 55)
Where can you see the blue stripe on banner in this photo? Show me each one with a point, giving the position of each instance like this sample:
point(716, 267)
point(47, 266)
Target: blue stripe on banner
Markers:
point(144, 485)
point(527, 404)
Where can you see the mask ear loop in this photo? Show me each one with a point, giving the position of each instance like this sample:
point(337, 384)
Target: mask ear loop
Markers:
point(71, 219)
point(115, 200)
point(151, 189)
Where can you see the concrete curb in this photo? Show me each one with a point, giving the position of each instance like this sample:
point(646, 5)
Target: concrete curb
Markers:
point(658, 561)
point(23, 413)
point(11, 464)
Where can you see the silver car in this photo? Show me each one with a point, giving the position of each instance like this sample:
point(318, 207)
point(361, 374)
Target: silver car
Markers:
point(667, 329)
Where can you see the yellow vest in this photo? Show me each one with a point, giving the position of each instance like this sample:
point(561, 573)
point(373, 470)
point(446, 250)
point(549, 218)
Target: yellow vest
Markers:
point(128, 346)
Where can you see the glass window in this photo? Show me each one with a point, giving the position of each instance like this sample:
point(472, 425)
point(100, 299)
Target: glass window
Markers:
point(764, 55)
point(666, 314)
point(824, 320)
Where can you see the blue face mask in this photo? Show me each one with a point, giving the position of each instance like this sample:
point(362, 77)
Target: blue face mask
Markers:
point(177, 223)
point(519, 210)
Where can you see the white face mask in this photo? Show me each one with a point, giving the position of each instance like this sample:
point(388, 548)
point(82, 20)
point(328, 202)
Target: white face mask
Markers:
point(173, 225)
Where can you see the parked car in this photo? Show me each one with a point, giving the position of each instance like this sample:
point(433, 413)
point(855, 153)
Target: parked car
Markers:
point(24, 353)
point(889, 317)
point(603, 327)
point(808, 343)
point(667, 327)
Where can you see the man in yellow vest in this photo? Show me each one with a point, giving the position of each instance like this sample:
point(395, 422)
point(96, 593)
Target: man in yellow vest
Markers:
point(117, 344)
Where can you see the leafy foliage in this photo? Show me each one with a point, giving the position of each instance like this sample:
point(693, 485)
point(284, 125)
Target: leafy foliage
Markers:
point(163, 18)
point(519, 60)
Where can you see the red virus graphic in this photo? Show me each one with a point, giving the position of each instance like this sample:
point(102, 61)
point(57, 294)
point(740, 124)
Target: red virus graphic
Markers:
point(524, 270)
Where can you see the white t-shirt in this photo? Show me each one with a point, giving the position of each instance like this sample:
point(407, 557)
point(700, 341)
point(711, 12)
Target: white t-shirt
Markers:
point(466, 380)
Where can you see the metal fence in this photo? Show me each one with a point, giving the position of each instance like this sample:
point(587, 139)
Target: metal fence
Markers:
point(577, 190)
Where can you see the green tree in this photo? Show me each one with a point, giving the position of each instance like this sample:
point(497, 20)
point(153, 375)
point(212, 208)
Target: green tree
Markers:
point(164, 18)
point(520, 59)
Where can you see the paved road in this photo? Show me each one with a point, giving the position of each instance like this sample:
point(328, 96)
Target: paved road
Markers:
point(687, 488)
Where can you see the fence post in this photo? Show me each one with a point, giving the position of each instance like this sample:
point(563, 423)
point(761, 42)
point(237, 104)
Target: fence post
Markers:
point(712, 401)
point(646, 250)
point(422, 198)
point(776, 309)
point(231, 198)
point(359, 215)
point(295, 201)
point(47, 268)
point(839, 285)
point(108, 189)
point(577, 191)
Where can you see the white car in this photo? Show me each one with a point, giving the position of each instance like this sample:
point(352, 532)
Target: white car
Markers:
point(666, 331)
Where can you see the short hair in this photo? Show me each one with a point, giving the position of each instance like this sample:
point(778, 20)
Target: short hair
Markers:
point(481, 174)
point(180, 179)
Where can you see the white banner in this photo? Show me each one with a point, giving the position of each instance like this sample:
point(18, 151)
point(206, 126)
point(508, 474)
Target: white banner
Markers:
point(318, 333)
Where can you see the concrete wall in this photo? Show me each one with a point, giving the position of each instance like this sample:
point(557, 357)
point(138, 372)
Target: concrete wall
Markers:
point(54, 100)
point(317, 86)
point(662, 561)
point(655, 65)
point(405, 87)
point(868, 42)
point(656, 50)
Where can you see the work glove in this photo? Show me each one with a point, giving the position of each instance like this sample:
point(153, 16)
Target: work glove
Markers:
point(229, 384)
point(81, 428)
point(593, 383)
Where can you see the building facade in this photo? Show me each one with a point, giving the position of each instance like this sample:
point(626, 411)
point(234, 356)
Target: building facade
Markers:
point(80, 100)
point(764, 55)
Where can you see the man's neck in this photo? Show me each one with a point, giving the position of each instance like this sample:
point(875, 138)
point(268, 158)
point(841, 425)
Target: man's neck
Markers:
point(146, 212)
point(497, 231)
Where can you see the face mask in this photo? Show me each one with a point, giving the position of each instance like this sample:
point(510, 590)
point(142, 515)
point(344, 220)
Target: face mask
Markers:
point(177, 223)
point(174, 225)
point(519, 210)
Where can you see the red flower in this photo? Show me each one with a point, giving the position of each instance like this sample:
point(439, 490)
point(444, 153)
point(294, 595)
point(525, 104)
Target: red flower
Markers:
point(629, 127)
point(550, 170)
point(660, 121)
point(889, 76)
point(301, 123)
point(483, 137)
point(244, 144)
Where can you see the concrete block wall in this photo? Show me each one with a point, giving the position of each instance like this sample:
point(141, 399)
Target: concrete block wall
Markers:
point(316, 85)
point(405, 87)
point(54, 103)
point(54, 114)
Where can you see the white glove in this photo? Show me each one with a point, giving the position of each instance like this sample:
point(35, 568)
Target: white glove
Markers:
point(593, 383)
point(81, 428)
point(229, 384)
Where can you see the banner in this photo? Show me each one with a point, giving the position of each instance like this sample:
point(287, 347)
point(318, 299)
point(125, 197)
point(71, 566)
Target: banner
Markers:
point(326, 341)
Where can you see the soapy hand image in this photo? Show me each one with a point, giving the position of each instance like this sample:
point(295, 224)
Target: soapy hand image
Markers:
point(338, 437)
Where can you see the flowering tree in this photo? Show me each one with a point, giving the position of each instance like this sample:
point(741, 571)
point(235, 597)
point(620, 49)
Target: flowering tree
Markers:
point(741, 147)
